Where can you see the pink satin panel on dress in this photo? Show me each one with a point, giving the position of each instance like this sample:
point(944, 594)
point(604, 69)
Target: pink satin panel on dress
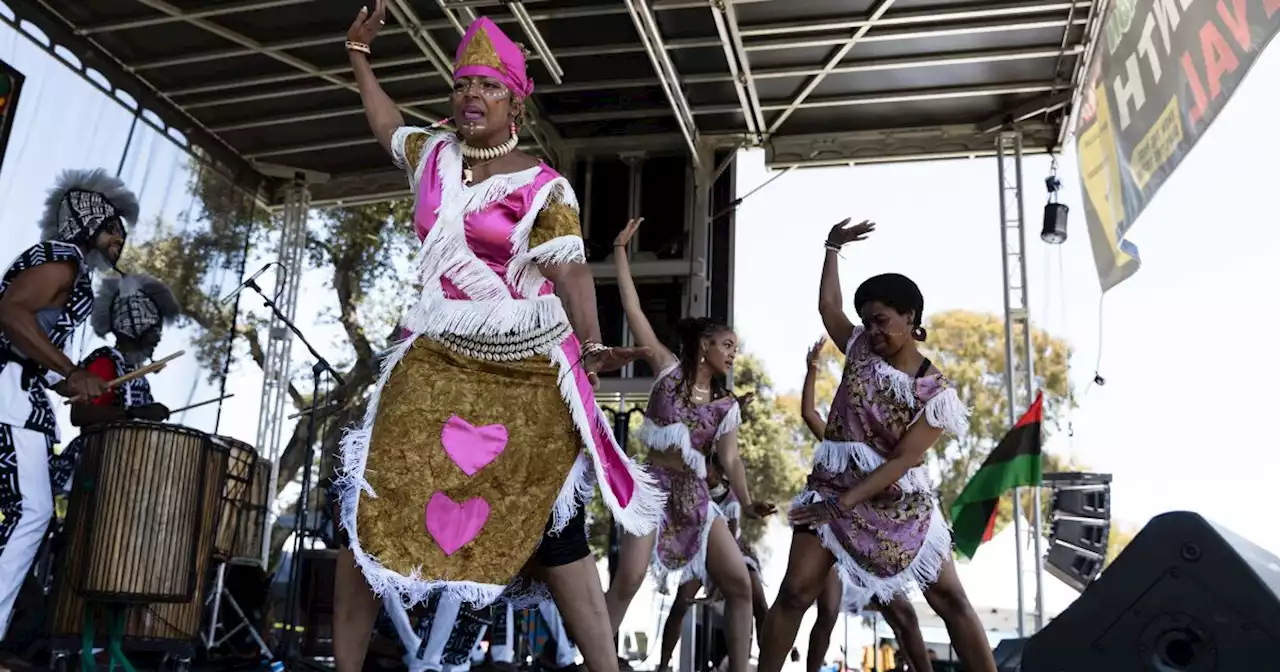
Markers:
point(617, 478)
point(488, 232)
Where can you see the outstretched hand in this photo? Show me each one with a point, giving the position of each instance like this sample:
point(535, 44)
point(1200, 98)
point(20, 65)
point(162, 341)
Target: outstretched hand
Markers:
point(815, 350)
point(628, 232)
point(367, 25)
point(759, 510)
point(844, 233)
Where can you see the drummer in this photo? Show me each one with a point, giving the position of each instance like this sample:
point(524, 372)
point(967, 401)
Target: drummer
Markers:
point(134, 311)
point(44, 295)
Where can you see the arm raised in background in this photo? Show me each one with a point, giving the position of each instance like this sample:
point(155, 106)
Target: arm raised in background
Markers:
point(830, 298)
point(808, 405)
point(383, 115)
point(660, 357)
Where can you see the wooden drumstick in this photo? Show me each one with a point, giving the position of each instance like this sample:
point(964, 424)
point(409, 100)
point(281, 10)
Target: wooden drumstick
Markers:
point(133, 375)
point(203, 403)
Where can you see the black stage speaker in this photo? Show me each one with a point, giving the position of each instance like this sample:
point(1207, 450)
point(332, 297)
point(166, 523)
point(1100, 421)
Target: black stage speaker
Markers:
point(1185, 596)
point(1080, 528)
point(1008, 655)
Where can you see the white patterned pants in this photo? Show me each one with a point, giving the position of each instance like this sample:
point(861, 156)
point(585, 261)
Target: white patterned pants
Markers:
point(566, 652)
point(26, 507)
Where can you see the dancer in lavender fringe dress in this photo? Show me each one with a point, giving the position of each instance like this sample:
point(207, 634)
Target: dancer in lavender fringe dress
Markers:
point(690, 416)
point(869, 507)
point(728, 504)
point(898, 612)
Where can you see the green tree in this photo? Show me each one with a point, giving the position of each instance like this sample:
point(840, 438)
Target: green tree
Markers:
point(969, 348)
point(359, 247)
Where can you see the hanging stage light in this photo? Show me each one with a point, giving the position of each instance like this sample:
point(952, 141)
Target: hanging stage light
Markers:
point(1055, 213)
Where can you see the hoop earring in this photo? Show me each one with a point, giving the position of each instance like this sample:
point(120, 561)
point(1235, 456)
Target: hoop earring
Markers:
point(919, 333)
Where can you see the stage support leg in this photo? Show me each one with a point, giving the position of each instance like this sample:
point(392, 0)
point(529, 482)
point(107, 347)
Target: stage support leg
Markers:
point(1019, 357)
point(699, 249)
point(275, 374)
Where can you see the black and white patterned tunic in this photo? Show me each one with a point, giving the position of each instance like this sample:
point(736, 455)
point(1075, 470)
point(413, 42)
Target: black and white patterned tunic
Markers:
point(24, 402)
point(134, 393)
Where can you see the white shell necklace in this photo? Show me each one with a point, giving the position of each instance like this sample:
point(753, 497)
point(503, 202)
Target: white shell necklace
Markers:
point(479, 156)
point(489, 153)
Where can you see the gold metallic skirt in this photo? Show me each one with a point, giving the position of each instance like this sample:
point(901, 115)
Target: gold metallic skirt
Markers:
point(466, 429)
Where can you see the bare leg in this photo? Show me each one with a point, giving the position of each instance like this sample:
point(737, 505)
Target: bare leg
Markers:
point(675, 618)
point(807, 569)
point(949, 601)
point(901, 617)
point(633, 562)
point(355, 608)
point(728, 573)
point(578, 595)
point(759, 603)
point(828, 613)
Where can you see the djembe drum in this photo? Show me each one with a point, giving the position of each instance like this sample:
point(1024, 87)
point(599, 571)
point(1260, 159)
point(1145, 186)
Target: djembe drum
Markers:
point(141, 524)
point(236, 494)
point(251, 527)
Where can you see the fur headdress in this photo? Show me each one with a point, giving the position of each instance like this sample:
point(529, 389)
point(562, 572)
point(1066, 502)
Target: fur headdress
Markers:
point(81, 202)
point(132, 306)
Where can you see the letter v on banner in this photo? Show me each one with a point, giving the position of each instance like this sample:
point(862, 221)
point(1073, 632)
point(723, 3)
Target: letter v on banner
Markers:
point(1139, 117)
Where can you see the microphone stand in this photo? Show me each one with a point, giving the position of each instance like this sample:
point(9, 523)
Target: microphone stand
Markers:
point(291, 651)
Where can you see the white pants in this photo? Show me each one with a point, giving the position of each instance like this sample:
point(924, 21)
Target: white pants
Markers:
point(566, 652)
point(26, 506)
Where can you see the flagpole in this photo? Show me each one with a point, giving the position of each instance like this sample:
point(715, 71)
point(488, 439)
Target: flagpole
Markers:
point(1037, 526)
point(1009, 359)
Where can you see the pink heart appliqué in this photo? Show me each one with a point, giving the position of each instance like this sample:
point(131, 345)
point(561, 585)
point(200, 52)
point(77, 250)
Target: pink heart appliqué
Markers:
point(455, 525)
point(472, 448)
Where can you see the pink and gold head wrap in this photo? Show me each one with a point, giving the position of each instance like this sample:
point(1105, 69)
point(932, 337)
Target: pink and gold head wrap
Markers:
point(487, 52)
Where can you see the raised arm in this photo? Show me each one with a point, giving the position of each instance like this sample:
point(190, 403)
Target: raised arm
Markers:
point(641, 330)
point(830, 298)
point(808, 405)
point(383, 115)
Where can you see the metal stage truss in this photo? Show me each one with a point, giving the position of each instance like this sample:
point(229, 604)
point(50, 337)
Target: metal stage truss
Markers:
point(262, 89)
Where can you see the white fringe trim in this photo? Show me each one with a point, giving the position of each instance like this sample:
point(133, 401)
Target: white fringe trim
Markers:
point(673, 437)
point(861, 586)
point(837, 457)
point(398, 157)
point(733, 512)
point(696, 568)
point(643, 513)
point(945, 411)
point(522, 271)
point(437, 316)
point(730, 422)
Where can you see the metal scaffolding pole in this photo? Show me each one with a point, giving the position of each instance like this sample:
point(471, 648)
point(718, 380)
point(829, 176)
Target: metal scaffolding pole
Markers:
point(275, 369)
point(1019, 357)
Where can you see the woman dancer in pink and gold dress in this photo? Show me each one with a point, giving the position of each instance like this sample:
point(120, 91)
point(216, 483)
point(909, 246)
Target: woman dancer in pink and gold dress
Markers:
point(483, 442)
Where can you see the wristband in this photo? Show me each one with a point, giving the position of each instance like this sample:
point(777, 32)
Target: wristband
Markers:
point(359, 46)
point(832, 246)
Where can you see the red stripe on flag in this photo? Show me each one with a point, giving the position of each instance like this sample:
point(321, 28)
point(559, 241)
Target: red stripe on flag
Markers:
point(990, 531)
point(1034, 414)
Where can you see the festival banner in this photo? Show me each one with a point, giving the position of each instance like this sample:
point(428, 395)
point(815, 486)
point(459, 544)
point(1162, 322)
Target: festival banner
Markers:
point(1159, 75)
point(10, 86)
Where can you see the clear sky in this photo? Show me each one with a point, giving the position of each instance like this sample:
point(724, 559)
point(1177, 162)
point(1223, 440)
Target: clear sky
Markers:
point(1181, 422)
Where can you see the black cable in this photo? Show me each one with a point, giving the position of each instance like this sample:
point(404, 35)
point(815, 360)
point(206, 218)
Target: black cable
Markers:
point(235, 312)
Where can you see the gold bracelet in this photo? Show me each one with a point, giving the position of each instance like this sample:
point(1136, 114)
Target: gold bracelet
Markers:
point(359, 46)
